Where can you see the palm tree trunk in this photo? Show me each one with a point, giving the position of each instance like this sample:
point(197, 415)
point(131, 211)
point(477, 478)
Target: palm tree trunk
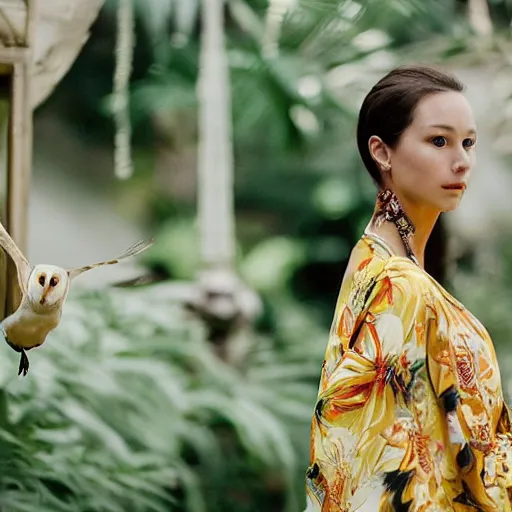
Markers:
point(224, 303)
point(480, 17)
point(215, 158)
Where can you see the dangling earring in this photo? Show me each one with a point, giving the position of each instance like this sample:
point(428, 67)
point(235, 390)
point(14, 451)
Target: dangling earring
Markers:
point(388, 208)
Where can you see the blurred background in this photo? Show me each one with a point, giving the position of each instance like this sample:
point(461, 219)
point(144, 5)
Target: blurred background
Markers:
point(185, 380)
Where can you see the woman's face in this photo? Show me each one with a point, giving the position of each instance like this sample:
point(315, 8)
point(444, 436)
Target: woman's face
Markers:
point(431, 165)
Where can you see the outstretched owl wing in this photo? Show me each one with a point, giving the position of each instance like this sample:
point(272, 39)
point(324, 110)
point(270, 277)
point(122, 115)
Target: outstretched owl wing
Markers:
point(23, 267)
point(130, 252)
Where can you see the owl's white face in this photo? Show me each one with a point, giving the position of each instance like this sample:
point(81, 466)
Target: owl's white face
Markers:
point(47, 285)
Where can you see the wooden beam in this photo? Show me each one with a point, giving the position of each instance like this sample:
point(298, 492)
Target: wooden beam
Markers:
point(13, 6)
point(20, 149)
point(4, 129)
point(30, 24)
point(16, 38)
point(18, 172)
point(47, 9)
point(19, 160)
point(14, 55)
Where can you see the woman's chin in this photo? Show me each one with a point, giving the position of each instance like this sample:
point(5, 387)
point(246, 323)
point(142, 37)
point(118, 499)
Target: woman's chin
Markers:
point(451, 203)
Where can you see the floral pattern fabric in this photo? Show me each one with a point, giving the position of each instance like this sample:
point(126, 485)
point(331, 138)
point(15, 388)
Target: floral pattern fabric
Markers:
point(410, 414)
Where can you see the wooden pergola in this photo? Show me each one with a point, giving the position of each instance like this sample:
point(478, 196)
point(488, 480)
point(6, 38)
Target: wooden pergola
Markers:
point(39, 40)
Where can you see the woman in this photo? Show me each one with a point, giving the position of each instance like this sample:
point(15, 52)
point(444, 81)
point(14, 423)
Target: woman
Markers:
point(410, 413)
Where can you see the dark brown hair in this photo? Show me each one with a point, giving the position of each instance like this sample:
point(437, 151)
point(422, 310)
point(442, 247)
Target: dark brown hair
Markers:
point(387, 111)
point(388, 108)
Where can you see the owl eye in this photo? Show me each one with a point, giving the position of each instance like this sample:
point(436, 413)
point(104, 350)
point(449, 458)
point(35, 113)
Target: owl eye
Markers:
point(54, 282)
point(42, 280)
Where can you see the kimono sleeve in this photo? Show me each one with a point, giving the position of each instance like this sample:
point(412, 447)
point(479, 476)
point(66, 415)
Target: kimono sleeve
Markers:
point(449, 367)
point(382, 346)
point(380, 330)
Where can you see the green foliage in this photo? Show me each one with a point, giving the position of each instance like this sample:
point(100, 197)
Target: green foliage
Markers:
point(127, 408)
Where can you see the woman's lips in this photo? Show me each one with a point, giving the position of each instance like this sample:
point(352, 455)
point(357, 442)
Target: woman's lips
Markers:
point(455, 186)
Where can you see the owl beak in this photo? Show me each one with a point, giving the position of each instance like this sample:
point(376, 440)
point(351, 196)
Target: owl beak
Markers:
point(43, 295)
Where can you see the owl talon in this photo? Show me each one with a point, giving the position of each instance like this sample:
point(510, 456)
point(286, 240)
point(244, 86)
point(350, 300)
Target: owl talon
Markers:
point(24, 364)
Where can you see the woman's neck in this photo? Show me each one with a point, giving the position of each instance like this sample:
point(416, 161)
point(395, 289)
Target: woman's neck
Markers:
point(421, 221)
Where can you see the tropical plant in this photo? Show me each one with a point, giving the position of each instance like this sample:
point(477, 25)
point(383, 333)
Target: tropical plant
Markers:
point(128, 408)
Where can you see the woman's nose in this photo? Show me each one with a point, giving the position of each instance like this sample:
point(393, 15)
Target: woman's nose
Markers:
point(462, 164)
point(461, 167)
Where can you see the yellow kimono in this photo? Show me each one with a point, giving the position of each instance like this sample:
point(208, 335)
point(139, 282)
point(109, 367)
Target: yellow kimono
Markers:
point(410, 414)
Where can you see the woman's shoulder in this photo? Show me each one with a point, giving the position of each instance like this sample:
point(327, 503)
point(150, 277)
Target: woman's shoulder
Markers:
point(375, 276)
point(373, 266)
point(370, 258)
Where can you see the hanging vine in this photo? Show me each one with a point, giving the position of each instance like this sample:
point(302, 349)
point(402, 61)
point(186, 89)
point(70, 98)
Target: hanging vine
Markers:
point(276, 12)
point(121, 96)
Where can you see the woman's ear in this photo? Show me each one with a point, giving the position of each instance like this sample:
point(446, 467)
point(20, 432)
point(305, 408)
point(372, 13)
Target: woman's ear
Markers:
point(380, 153)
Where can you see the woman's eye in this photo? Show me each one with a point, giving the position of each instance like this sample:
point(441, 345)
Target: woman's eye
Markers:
point(468, 143)
point(439, 141)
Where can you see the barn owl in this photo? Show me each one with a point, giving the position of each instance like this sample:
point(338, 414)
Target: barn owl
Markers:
point(44, 290)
